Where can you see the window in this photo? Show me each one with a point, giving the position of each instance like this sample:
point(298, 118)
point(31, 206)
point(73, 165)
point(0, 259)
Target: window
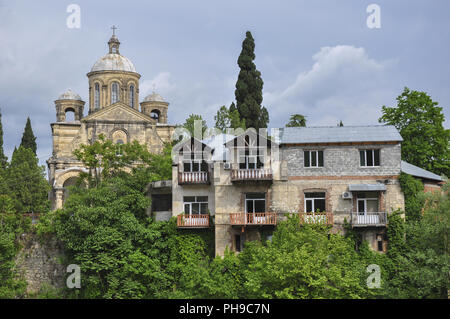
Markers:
point(314, 202)
point(195, 205)
point(237, 242)
point(155, 115)
point(193, 162)
point(380, 242)
point(255, 203)
point(114, 92)
point(313, 158)
point(119, 151)
point(161, 202)
point(131, 95)
point(367, 203)
point(369, 157)
point(251, 159)
point(96, 96)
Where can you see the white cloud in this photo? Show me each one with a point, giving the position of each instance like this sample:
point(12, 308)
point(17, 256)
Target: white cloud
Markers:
point(161, 84)
point(342, 84)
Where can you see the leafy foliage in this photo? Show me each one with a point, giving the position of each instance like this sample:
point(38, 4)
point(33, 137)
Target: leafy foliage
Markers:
point(249, 87)
point(303, 262)
point(296, 120)
point(414, 199)
point(190, 125)
point(28, 138)
point(228, 118)
point(420, 123)
point(3, 158)
point(26, 183)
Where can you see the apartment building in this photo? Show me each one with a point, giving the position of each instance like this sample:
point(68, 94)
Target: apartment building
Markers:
point(244, 185)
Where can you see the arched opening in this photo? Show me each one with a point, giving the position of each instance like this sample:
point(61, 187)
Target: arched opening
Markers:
point(155, 114)
point(70, 115)
point(114, 92)
point(71, 181)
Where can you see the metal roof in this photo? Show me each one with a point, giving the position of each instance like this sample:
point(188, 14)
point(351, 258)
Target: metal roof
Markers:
point(419, 172)
point(366, 187)
point(69, 95)
point(338, 134)
point(113, 62)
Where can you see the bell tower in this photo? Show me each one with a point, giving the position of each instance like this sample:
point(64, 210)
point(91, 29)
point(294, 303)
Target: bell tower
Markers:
point(69, 101)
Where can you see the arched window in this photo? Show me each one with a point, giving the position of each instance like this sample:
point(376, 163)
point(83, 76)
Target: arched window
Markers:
point(132, 95)
point(119, 150)
point(155, 115)
point(97, 96)
point(70, 115)
point(114, 92)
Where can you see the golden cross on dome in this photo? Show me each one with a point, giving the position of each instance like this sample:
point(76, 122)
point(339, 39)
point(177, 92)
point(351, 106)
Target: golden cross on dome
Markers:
point(114, 29)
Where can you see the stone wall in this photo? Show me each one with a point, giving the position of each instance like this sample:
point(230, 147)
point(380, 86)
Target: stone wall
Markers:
point(343, 161)
point(40, 263)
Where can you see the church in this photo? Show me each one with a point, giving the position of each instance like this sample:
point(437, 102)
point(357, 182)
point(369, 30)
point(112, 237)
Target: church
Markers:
point(113, 111)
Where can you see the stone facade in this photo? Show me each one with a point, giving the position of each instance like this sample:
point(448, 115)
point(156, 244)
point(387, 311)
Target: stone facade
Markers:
point(113, 112)
point(39, 262)
point(290, 181)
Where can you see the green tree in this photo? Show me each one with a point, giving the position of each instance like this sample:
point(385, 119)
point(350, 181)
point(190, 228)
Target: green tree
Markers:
point(249, 88)
point(297, 120)
point(28, 138)
point(420, 123)
point(228, 118)
point(12, 225)
point(303, 262)
point(106, 159)
point(191, 122)
point(3, 158)
point(27, 185)
point(418, 257)
point(414, 198)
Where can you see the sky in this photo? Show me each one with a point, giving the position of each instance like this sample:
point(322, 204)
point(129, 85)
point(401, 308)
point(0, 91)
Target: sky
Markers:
point(317, 58)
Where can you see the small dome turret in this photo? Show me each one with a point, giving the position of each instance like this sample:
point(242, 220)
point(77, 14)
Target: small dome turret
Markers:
point(69, 95)
point(156, 107)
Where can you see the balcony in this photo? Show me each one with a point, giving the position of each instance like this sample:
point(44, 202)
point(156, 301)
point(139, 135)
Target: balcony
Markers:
point(251, 175)
point(193, 221)
point(375, 219)
point(193, 178)
point(245, 219)
point(316, 218)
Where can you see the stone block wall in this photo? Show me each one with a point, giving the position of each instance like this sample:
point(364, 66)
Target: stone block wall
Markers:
point(40, 263)
point(343, 161)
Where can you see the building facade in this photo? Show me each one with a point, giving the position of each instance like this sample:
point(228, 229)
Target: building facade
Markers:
point(244, 185)
point(113, 111)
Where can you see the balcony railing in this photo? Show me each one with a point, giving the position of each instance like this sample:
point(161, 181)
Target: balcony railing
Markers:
point(193, 221)
point(369, 219)
point(193, 177)
point(243, 219)
point(251, 174)
point(316, 218)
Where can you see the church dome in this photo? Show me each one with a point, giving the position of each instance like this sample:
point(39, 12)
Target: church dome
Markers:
point(113, 62)
point(154, 97)
point(69, 95)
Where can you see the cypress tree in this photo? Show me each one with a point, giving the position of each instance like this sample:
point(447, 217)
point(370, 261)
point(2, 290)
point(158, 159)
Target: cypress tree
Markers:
point(3, 158)
point(26, 181)
point(249, 87)
point(28, 138)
